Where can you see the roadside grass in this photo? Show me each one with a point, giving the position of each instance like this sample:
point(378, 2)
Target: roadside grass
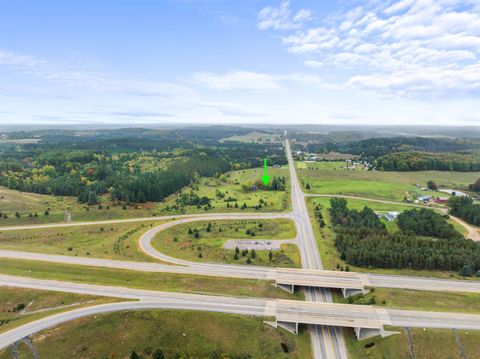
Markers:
point(427, 344)
point(417, 300)
point(392, 347)
point(208, 247)
point(435, 343)
point(20, 305)
point(332, 178)
point(471, 341)
point(112, 241)
point(169, 282)
point(188, 333)
point(331, 258)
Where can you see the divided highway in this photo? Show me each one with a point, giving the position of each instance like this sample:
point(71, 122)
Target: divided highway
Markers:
point(323, 317)
point(287, 313)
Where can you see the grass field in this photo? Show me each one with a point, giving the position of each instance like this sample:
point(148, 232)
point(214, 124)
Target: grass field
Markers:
point(178, 243)
point(392, 347)
point(254, 137)
point(332, 178)
point(231, 185)
point(331, 258)
point(115, 241)
point(153, 281)
point(27, 204)
point(188, 334)
point(418, 300)
point(30, 203)
point(426, 343)
point(19, 305)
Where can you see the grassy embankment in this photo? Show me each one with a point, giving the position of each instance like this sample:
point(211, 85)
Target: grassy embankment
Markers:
point(426, 344)
point(188, 334)
point(208, 247)
point(19, 305)
point(113, 241)
point(153, 281)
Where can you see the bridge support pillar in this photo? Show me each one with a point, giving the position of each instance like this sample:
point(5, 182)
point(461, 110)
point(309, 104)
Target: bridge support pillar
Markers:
point(291, 327)
point(29, 343)
point(364, 333)
point(290, 288)
point(347, 292)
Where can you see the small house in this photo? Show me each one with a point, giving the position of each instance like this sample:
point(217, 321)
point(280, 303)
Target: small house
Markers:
point(425, 198)
point(391, 216)
point(441, 200)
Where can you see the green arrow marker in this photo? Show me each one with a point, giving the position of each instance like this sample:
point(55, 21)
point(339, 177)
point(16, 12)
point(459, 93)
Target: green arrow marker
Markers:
point(265, 176)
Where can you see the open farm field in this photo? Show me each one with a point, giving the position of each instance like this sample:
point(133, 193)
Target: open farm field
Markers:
point(333, 178)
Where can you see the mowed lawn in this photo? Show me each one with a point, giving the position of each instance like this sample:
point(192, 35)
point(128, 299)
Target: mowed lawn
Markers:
point(113, 241)
point(21, 305)
point(177, 242)
point(332, 178)
point(187, 334)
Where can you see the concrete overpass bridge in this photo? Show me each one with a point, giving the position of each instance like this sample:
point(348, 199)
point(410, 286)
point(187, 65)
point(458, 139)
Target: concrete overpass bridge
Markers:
point(286, 278)
point(366, 321)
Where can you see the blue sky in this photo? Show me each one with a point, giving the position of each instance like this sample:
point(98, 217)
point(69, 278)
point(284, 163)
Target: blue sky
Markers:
point(250, 61)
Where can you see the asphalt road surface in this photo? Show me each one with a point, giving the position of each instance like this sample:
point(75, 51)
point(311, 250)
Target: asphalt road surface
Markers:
point(327, 341)
point(313, 313)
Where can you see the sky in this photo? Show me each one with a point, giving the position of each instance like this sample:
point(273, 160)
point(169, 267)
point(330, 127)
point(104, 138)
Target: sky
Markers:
point(149, 62)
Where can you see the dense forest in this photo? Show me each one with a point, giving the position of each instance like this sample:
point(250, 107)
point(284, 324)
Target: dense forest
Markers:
point(363, 241)
point(377, 147)
point(423, 161)
point(146, 165)
point(464, 208)
point(409, 153)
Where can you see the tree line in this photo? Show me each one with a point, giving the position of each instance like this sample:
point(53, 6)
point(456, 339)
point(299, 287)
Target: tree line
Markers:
point(465, 208)
point(363, 240)
point(426, 161)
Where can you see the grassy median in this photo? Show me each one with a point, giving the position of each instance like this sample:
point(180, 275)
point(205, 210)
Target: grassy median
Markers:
point(142, 280)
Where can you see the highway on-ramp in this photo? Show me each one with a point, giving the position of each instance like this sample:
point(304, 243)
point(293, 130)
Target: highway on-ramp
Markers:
point(287, 313)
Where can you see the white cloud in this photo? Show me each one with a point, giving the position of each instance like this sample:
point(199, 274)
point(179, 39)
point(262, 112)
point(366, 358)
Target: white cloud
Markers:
point(86, 76)
point(400, 47)
point(237, 80)
point(252, 81)
point(282, 18)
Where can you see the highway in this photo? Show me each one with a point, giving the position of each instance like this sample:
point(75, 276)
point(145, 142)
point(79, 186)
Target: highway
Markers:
point(286, 276)
point(287, 313)
point(327, 339)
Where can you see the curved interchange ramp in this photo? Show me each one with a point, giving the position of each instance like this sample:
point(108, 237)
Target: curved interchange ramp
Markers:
point(318, 312)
